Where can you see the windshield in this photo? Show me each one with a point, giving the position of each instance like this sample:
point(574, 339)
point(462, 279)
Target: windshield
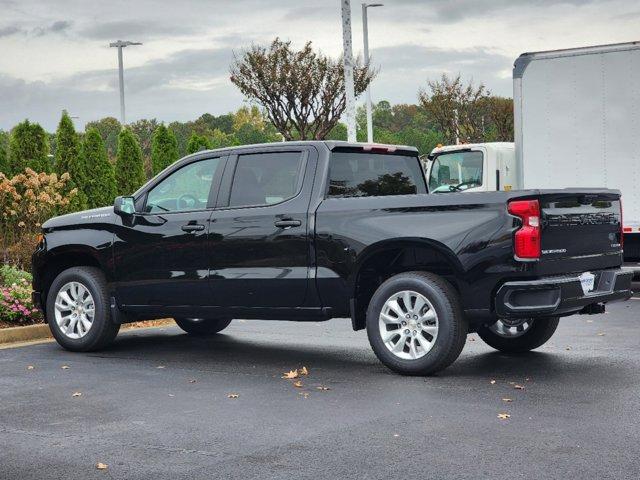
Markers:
point(455, 171)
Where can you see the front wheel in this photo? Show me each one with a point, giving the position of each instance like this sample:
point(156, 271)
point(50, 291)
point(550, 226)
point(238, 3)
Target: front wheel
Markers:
point(202, 326)
point(415, 323)
point(518, 336)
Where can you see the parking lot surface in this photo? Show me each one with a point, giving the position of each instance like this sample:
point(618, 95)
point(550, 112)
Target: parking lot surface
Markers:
point(161, 404)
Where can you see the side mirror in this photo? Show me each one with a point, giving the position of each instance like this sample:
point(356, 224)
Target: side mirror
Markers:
point(124, 206)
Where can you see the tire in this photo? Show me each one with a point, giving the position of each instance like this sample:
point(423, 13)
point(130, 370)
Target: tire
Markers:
point(68, 323)
point(434, 348)
point(537, 332)
point(202, 326)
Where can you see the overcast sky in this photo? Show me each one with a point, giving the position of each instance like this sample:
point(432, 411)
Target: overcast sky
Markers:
point(54, 54)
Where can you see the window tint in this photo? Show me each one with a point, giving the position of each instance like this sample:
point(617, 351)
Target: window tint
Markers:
point(265, 178)
point(185, 189)
point(354, 174)
point(453, 172)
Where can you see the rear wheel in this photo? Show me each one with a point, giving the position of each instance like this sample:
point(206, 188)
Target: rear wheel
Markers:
point(415, 323)
point(520, 335)
point(202, 326)
point(78, 310)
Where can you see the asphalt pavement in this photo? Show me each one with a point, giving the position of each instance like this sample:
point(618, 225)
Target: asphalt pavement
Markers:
point(160, 404)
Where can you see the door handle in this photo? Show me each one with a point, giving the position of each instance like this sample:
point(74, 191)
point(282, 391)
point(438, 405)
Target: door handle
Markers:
point(287, 223)
point(192, 227)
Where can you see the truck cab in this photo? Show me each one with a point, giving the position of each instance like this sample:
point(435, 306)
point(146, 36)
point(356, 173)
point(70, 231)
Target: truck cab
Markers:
point(474, 167)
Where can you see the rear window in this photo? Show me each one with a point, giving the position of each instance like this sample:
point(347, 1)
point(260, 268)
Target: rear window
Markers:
point(362, 174)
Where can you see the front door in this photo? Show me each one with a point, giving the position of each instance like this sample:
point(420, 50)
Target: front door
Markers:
point(160, 253)
point(259, 253)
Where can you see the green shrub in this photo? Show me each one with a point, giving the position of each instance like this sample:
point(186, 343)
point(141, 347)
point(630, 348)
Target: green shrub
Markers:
point(129, 165)
point(10, 275)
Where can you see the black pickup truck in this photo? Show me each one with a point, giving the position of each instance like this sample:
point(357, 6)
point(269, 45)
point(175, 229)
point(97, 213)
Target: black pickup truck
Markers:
point(310, 231)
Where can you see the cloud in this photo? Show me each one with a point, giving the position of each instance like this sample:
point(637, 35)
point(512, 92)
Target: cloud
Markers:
point(60, 26)
point(135, 28)
point(8, 31)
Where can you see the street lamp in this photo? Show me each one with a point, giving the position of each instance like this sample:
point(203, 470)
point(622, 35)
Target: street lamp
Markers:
point(365, 33)
point(120, 45)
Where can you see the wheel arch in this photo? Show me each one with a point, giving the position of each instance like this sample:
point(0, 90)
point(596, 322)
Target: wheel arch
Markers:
point(384, 259)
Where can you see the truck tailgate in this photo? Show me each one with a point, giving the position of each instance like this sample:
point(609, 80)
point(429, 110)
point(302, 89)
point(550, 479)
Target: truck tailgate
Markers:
point(581, 230)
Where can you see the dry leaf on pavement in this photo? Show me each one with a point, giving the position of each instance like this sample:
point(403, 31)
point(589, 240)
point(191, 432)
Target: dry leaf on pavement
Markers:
point(193, 380)
point(297, 384)
point(601, 334)
point(518, 387)
point(323, 388)
point(233, 395)
point(101, 466)
point(303, 394)
point(77, 394)
point(160, 366)
point(508, 400)
point(290, 374)
point(30, 367)
point(503, 416)
point(493, 382)
point(304, 371)
point(65, 367)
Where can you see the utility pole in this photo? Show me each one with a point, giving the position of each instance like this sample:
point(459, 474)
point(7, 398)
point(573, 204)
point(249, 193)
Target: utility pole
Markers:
point(365, 34)
point(120, 45)
point(350, 110)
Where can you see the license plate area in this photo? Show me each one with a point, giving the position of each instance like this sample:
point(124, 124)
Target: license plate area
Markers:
point(587, 282)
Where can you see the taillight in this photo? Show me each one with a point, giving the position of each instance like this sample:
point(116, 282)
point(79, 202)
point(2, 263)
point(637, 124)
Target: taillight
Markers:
point(527, 237)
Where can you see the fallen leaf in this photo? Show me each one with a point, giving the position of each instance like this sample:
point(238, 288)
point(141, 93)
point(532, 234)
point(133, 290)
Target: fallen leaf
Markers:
point(493, 382)
point(193, 380)
point(297, 384)
point(101, 466)
point(77, 394)
point(233, 395)
point(503, 416)
point(589, 321)
point(471, 339)
point(508, 400)
point(396, 435)
point(518, 387)
point(527, 379)
point(160, 366)
point(65, 367)
point(304, 371)
point(290, 374)
point(323, 388)
point(601, 334)
point(171, 395)
point(568, 348)
point(304, 394)
point(30, 367)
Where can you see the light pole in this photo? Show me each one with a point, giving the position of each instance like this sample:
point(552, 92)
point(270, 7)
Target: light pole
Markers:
point(120, 45)
point(365, 34)
point(350, 108)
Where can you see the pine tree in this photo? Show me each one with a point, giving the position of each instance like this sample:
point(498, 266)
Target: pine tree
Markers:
point(28, 147)
point(129, 164)
point(68, 159)
point(197, 143)
point(4, 160)
point(100, 185)
point(164, 149)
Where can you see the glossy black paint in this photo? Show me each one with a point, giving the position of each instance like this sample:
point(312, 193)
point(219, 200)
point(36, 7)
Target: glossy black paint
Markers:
point(246, 262)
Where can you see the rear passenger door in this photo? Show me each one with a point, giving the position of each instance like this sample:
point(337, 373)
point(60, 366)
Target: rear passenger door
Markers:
point(259, 232)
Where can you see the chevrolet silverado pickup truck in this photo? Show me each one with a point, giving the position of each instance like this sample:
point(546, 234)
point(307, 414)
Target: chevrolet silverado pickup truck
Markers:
point(310, 231)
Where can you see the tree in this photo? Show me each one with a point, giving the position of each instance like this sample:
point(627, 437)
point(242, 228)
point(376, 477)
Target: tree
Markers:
point(129, 167)
point(302, 91)
point(144, 130)
point(458, 110)
point(109, 129)
point(164, 149)
point(28, 147)
point(67, 150)
point(4, 154)
point(100, 185)
point(501, 117)
point(197, 143)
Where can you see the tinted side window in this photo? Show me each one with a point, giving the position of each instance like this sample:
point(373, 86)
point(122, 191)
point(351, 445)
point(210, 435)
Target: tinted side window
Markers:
point(355, 174)
point(266, 178)
point(185, 189)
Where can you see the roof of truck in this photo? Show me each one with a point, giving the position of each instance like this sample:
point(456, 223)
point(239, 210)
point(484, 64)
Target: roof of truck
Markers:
point(329, 144)
point(466, 146)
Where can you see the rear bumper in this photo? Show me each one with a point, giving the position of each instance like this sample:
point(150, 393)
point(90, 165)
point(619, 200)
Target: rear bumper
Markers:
point(560, 295)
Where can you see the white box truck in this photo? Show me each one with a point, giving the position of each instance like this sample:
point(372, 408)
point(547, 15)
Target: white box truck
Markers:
point(577, 124)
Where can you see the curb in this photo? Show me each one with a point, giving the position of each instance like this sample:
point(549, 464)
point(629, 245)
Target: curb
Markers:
point(25, 334)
